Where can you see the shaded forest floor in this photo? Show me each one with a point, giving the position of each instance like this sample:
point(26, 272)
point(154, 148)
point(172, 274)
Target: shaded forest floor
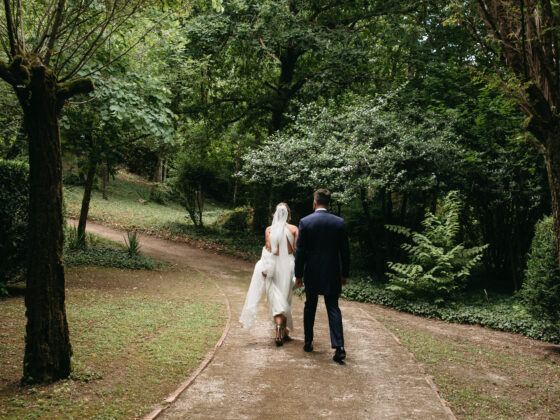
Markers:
point(135, 335)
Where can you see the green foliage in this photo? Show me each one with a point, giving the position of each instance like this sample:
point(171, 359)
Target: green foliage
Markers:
point(70, 178)
point(541, 288)
point(132, 244)
point(72, 240)
point(160, 194)
point(103, 256)
point(366, 145)
point(236, 220)
point(438, 266)
point(500, 312)
point(12, 140)
point(189, 182)
point(14, 196)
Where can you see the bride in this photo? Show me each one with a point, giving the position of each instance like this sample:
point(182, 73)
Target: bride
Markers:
point(274, 273)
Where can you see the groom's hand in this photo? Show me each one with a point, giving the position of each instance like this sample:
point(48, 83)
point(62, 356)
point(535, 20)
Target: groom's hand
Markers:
point(344, 280)
point(299, 283)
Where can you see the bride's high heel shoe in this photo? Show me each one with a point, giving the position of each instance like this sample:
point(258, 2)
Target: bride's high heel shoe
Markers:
point(279, 340)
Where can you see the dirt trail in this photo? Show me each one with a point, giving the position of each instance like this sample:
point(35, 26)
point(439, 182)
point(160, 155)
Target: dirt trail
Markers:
point(250, 378)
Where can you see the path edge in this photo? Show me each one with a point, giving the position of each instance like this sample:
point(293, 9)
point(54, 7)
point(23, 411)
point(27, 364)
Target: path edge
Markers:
point(171, 398)
point(427, 377)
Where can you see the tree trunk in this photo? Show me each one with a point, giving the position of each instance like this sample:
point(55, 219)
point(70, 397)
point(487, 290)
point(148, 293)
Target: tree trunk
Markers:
point(157, 176)
point(403, 208)
point(85, 201)
point(165, 171)
point(47, 344)
point(552, 160)
point(105, 181)
point(260, 206)
point(370, 228)
point(237, 164)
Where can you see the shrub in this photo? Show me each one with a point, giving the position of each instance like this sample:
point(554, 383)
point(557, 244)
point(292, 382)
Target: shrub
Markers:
point(159, 194)
point(499, 312)
point(70, 178)
point(14, 213)
point(236, 220)
point(103, 256)
point(189, 182)
point(438, 265)
point(541, 289)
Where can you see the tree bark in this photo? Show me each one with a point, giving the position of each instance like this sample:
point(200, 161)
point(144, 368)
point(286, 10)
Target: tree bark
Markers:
point(370, 228)
point(157, 176)
point(105, 181)
point(85, 201)
point(552, 160)
point(260, 206)
point(47, 344)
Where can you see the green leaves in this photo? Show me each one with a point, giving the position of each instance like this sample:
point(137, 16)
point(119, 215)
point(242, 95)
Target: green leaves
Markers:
point(541, 289)
point(367, 146)
point(438, 266)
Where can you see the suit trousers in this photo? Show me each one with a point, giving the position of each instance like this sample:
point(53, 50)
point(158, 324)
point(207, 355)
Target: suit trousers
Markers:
point(333, 312)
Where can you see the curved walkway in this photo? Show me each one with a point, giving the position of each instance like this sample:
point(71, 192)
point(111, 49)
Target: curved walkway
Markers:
point(250, 378)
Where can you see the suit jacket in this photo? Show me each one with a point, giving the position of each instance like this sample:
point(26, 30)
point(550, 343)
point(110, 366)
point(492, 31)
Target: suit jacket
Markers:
point(322, 253)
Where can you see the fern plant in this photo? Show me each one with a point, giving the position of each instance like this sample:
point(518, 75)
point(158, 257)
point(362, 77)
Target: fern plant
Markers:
point(438, 265)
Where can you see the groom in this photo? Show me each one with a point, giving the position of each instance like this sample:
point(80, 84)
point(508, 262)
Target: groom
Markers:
point(323, 263)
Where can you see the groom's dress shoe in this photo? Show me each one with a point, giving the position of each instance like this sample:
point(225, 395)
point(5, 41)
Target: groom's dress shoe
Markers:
point(339, 355)
point(308, 347)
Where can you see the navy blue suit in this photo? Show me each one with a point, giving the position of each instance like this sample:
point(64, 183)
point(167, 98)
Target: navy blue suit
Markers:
point(322, 258)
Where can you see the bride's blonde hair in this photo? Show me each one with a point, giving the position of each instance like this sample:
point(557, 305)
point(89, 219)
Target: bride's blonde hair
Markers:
point(287, 207)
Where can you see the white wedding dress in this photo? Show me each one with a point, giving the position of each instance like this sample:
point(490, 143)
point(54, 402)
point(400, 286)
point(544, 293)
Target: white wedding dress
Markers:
point(279, 270)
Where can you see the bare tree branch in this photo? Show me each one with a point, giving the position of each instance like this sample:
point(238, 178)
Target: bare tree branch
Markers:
point(268, 52)
point(54, 32)
point(10, 27)
point(85, 56)
point(126, 51)
point(42, 38)
point(22, 35)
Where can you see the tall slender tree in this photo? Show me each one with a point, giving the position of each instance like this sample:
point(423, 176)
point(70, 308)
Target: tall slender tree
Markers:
point(45, 46)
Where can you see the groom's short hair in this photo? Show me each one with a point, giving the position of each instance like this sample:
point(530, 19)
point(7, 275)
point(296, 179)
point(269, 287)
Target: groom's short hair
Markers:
point(322, 197)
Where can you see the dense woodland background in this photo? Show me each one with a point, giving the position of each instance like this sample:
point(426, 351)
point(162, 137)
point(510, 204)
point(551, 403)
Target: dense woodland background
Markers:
point(415, 114)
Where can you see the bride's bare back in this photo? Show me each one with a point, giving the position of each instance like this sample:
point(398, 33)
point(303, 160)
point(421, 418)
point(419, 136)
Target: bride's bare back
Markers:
point(293, 230)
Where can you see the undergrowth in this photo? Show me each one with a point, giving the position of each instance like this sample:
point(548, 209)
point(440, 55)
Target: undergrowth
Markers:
point(499, 312)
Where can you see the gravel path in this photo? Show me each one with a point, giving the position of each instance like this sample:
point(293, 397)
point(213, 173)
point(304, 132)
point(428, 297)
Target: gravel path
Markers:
point(250, 378)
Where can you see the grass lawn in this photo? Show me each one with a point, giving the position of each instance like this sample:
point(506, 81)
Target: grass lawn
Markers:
point(483, 374)
point(128, 208)
point(135, 335)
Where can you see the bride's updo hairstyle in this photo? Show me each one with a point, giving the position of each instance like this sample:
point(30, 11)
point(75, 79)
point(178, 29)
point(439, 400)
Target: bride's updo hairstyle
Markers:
point(288, 208)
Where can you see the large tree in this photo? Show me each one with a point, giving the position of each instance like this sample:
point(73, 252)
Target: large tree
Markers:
point(522, 38)
point(46, 44)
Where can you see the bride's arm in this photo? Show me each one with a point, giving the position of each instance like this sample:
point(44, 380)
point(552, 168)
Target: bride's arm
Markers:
point(267, 239)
